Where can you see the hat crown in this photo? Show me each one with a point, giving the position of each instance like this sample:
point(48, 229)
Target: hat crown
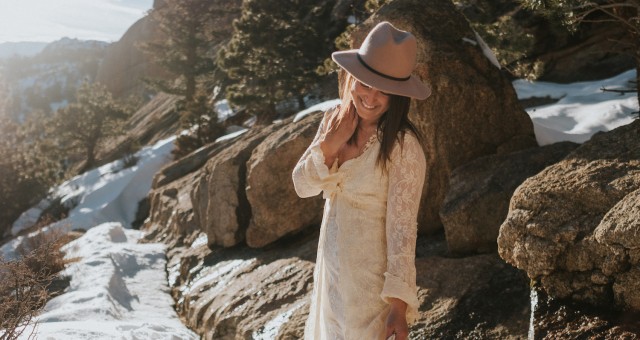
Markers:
point(385, 61)
point(389, 51)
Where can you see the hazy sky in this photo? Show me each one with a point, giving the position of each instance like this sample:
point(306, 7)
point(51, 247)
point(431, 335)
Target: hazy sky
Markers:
point(49, 20)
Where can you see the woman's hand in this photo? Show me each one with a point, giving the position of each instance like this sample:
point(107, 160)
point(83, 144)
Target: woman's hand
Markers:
point(341, 126)
point(397, 320)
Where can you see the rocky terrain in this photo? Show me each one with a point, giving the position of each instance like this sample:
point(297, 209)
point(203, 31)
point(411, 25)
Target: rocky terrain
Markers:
point(242, 244)
point(516, 241)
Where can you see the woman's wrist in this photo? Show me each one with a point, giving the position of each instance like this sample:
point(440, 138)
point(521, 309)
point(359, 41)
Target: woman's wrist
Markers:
point(398, 305)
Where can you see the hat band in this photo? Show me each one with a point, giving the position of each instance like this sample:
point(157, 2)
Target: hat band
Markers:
point(380, 73)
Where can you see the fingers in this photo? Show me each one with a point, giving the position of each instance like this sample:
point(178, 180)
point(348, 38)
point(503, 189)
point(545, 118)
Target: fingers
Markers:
point(333, 117)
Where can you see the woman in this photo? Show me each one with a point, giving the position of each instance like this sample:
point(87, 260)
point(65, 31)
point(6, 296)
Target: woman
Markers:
point(368, 162)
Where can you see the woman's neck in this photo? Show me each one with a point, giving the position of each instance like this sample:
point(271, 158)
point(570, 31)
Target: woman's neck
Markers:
point(367, 127)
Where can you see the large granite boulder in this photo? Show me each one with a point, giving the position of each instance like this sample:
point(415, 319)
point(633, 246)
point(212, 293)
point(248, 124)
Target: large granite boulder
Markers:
point(476, 297)
point(479, 193)
point(220, 202)
point(276, 209)
point(619, 231)
point(473, 110)
point(571, 226)
point(171, 216)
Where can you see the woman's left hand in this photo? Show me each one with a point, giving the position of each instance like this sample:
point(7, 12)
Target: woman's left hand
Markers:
point(397, 320)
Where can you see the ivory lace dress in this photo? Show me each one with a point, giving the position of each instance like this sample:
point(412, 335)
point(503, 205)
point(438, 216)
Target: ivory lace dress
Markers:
point(366, 250)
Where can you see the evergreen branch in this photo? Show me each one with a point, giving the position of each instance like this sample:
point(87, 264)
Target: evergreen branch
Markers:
point(607, 10)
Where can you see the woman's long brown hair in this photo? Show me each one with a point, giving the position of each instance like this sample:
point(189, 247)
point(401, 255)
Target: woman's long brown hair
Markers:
point(392, 125)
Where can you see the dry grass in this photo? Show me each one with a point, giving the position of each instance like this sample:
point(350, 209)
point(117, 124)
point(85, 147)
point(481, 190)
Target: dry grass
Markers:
point(25, 283)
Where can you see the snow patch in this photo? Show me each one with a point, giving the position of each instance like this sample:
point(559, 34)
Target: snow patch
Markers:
point(118, 290)
point(582, 110)
point(324, 106)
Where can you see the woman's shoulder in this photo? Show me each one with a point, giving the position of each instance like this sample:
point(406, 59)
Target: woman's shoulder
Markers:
point(408, 136)
point(328, 112)
point(407, 140)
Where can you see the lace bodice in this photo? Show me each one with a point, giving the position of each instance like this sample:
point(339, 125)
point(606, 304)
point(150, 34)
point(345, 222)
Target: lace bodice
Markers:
point(366, 251)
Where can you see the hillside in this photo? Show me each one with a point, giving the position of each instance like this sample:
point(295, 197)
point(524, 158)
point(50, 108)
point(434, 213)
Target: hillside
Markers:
point(49, 79)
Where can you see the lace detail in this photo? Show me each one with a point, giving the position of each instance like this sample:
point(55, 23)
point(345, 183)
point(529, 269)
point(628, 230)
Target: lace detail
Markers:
point(366, 252)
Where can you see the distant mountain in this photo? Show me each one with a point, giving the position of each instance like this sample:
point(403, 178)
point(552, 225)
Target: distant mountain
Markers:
point(49, 79)
point(24, 49)
point(66, 45)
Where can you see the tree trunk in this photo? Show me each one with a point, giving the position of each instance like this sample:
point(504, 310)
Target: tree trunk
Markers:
point(91, 158)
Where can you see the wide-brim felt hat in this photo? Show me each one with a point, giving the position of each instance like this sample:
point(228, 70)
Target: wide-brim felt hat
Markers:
point(385, 60)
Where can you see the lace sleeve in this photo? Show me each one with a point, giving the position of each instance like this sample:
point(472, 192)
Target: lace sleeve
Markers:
point(310, 173)
point(406, 178)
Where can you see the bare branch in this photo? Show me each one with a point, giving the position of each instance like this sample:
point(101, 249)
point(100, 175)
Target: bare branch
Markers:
point(607, 10)
point(621, 92)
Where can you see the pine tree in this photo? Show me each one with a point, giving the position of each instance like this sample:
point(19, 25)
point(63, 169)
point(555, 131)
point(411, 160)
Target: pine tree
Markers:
point(29, 166)
point(623, 13)
point(183, 48)
point(84, 124)
point(191, 31)
point(273, 54)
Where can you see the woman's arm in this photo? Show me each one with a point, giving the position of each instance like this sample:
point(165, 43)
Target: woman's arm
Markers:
point(312, 173)
point(406, 177)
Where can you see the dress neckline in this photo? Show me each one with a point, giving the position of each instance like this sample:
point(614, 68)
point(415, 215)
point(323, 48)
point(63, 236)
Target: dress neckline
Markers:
point(372, 139)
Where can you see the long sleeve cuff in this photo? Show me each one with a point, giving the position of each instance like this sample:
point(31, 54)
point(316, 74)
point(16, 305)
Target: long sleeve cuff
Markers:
point(330, 179)
point(317, 157)
point(394, 287)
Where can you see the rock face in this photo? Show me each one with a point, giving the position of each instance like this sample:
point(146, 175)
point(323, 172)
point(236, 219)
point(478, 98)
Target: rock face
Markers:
point(249, 293)
point(555, 319)
point(276, 208)
point(573, 226)
point(219, 198)
point(473, 110)
point(481, 299)
point(156, 120)
point(171, 217)
point(619, 231)
point(245, 293)
point(479, 193)
point(125, 64)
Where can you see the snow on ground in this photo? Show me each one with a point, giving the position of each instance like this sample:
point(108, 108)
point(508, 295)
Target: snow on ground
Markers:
point(583, 108)
point(324, 106)
point(105, 194)
point(119, 288)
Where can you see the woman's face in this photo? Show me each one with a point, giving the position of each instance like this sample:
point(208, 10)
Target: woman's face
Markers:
point(370, 103)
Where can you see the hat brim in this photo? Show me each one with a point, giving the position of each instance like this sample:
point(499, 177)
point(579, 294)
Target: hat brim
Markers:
point(413, 87)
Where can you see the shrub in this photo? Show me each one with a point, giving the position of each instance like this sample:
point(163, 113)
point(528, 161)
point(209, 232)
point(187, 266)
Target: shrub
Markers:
point(25, 283)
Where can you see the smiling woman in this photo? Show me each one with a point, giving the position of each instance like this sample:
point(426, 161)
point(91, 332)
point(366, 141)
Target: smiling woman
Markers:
point(45, 21)
point(367, 161)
